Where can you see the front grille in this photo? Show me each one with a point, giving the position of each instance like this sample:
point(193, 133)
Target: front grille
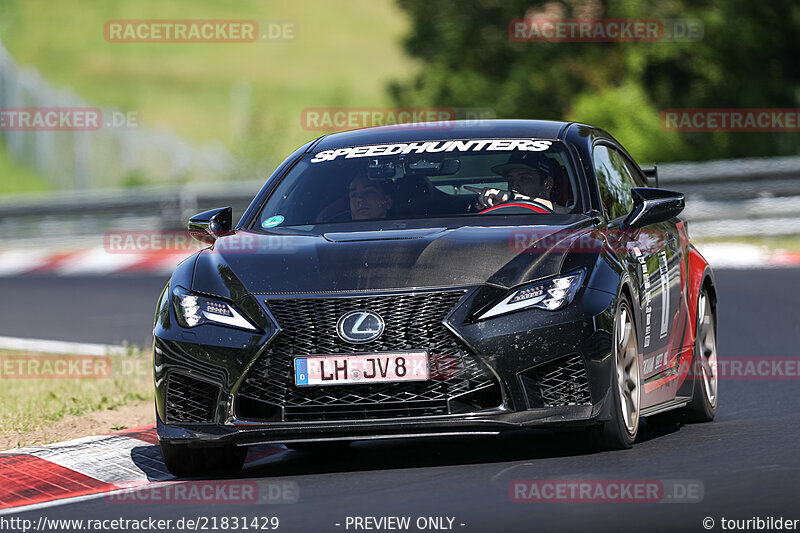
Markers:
point(190, 400)
point(558, 383)
point(412, 322)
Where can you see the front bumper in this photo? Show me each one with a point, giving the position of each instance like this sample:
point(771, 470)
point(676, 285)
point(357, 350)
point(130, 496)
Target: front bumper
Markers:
point(485, 424)
point(568, 351)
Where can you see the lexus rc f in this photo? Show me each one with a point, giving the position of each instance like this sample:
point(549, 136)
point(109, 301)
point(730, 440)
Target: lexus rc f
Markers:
point(436, 279)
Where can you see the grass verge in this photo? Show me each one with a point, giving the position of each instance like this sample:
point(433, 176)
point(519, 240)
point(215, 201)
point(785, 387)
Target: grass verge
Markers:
point(250, 96)
point(34, 395)
point(16, 178)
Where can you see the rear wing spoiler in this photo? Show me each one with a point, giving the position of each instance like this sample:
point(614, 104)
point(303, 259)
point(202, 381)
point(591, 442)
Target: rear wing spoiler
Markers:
point(652, 173)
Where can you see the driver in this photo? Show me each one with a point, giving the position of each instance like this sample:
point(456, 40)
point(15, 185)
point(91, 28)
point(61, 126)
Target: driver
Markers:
point(369, 198)
point(529, 177)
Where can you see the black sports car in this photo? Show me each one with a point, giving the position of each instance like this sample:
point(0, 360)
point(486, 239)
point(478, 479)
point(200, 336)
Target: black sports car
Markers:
point(436, 279)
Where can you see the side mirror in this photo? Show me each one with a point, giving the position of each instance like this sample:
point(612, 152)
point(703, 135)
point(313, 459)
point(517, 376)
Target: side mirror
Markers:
point(207, 226)
point(653, 205)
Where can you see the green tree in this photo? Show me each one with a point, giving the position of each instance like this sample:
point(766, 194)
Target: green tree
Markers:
point(747, 58)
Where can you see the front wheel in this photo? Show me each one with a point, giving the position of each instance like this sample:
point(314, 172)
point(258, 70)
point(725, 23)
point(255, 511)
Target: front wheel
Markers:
point(183, 461)
point(620, 431)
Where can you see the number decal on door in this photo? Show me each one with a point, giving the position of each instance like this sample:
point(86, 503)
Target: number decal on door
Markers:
point(664, 276)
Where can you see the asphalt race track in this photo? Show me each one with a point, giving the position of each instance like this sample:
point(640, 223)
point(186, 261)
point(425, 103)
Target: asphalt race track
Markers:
point(105, 310)
point(746, 461)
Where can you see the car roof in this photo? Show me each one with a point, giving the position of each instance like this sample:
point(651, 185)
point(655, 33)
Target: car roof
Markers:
point(457, 129)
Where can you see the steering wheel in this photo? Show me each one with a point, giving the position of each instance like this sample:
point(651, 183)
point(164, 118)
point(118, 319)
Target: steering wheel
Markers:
point(517, 207)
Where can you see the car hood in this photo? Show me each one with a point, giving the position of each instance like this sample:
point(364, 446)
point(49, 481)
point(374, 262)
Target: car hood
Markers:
point(248, 262)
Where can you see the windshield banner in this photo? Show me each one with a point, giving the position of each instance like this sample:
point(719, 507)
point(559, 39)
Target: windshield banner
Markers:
point(525, 145)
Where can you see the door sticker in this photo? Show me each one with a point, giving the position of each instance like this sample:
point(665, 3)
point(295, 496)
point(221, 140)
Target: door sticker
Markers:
point(648, 308)
point(664, 275)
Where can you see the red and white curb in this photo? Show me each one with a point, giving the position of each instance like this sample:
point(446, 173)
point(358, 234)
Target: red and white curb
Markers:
point(43, 476)
point(86, 262)
point(98, 262)
point(736, 255)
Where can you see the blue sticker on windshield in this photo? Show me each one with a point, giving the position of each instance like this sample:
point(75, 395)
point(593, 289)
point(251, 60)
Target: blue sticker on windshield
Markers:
point(271, 222)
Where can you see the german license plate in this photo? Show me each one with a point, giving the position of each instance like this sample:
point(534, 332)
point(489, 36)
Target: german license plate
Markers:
point(362, 368)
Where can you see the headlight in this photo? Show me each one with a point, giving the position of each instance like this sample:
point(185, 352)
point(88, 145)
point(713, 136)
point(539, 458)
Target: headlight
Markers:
point(552, 295)
point(193, 310)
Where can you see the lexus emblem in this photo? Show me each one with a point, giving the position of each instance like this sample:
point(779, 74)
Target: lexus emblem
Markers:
point(360, 326)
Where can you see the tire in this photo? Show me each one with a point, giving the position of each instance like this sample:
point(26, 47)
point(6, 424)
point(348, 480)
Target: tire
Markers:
point(330, 446)
point(183, 461)
point(705, 393)
point(620, 431)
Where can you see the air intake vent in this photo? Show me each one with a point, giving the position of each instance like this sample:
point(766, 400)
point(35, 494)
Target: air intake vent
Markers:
point(557, 383)
point(190, 400)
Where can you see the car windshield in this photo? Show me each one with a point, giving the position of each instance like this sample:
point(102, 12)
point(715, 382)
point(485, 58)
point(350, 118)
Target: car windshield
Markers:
point(427, 179)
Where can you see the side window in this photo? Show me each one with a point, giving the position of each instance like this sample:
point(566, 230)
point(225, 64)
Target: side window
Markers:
point(638, 178)
point(614, 180)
